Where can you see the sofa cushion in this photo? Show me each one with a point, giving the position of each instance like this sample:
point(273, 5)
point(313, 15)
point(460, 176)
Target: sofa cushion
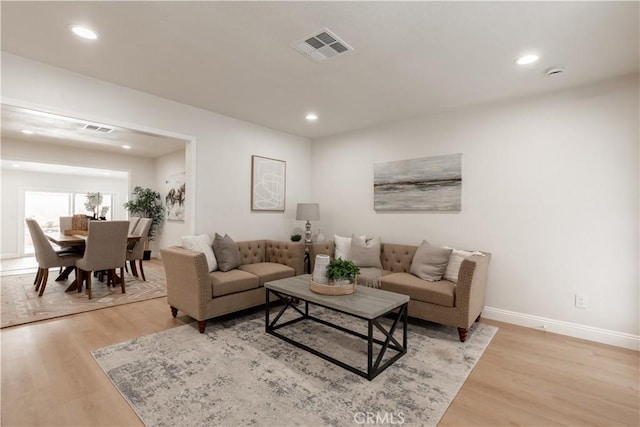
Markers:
point(231, 282)
point(365, 253)
point(439, 293)
point(201, 243)
point(430, 262)
point(455, 259)
point(267, 271)
point(226, 251)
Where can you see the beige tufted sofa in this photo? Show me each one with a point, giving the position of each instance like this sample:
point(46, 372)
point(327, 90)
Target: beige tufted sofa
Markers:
point(202, 295)
point(443, 301)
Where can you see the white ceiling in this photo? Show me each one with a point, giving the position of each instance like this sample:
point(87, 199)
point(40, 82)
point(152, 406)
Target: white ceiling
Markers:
point(68, 131)
point(62, 169)
point(409, 58)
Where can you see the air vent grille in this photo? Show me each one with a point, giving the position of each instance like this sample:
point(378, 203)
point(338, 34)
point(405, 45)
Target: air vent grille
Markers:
point(96, 128)
point(321, 46)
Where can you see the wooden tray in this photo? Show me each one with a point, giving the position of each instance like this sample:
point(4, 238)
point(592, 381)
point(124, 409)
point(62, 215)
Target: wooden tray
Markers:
point(332, 289)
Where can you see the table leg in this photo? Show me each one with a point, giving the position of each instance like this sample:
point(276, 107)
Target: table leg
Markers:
point(65, 274)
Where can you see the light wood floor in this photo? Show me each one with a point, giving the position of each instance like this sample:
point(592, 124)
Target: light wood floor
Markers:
point(525, 377)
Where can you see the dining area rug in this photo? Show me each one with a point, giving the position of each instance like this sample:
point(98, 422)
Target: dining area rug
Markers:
point(235, 374)
point(21, 304)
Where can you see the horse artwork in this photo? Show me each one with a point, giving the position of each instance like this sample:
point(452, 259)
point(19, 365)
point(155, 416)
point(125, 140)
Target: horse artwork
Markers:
point(175, 197)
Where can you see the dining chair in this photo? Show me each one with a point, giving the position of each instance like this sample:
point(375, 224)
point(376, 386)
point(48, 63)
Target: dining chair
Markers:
point(66, 223)
point(105, 249)
point(133, 222)
point(137, 252)
point(46, 256)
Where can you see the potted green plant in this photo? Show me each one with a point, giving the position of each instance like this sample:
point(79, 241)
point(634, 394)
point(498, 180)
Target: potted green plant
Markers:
point(296, 237)
point(342, 271)
point(147, 203)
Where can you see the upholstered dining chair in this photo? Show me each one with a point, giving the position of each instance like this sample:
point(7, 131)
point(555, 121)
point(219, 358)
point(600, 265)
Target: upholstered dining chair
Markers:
point(133, 222)
point(66, 223)
point(105, 249)
point(137, 252)
point(46, 256)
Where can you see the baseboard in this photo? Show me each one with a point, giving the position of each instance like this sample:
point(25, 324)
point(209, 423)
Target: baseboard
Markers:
point(604, 336)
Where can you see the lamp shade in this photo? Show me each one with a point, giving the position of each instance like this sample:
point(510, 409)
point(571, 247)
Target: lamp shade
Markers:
point(308, 212)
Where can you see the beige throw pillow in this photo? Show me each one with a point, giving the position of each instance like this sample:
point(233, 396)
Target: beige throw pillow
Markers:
point(365, 253)
point(429, 262)
point(455, 260)
point(201, 243)
point(227, 252)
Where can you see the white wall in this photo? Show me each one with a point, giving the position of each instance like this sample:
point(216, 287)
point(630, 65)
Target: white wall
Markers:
point(140, 169)
point(171, 231)
point(219, 152)
point(550, 187)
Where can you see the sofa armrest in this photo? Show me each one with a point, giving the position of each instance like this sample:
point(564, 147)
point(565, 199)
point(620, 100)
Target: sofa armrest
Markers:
point(286, 253)
point(322, 248)
point(472, 285)
point(188, 282)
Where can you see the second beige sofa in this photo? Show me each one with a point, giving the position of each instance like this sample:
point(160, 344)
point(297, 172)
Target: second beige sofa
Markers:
point(454, 304)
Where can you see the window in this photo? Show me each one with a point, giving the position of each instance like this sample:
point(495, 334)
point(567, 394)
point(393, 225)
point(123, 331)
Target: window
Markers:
point(47, 207)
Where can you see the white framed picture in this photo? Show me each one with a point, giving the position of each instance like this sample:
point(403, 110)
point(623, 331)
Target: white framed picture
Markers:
point(268, 180)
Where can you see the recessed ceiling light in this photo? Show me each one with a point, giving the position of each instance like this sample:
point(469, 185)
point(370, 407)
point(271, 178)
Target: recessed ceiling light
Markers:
point(527, 59)
point(27, 132)
point(15, 165)
point(107, 173)
point(83, 32)
point(311, 117)
point(126, 147)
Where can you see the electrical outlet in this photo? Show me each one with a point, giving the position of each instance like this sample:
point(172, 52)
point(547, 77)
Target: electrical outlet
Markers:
point(582, 301)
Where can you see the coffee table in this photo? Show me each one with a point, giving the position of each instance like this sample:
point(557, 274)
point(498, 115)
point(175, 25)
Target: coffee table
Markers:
point(365, 303)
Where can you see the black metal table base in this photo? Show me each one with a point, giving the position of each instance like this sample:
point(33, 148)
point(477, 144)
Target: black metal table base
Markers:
point(374, 368)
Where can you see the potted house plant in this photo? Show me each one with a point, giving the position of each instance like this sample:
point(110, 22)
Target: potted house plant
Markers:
point(342, 271)
point(94, 205)
point(147, 203)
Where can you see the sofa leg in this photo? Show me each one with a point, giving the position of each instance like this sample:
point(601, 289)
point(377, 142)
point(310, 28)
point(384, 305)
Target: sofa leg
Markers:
point(201, 325)
point(462, 332)
point(174, 311)
point(478, 318)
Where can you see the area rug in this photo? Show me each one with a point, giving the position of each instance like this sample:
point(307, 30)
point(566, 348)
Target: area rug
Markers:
point(21, 304)
point(237, 375)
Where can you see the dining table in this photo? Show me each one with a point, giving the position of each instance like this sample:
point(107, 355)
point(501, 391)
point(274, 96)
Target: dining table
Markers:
point(77, 242)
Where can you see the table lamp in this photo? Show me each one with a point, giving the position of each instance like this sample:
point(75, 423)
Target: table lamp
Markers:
point(308, 212)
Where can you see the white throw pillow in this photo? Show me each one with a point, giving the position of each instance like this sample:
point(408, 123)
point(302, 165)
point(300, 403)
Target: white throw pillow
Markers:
point(455, 259)
point(343, 246)
point(201, 243)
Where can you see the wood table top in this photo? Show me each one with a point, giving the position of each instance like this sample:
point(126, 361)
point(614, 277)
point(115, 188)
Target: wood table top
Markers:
point(368, 303)
point(63, 240)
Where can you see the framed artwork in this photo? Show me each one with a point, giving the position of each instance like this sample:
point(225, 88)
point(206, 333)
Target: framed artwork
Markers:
point(425, 184)
point(174, 200)
point(268, 179)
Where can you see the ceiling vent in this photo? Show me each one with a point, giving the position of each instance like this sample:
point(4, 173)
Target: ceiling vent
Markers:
point(321, 46)
point(99, 129)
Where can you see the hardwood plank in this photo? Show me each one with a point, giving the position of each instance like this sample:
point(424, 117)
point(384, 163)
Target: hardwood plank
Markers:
point(525, 377)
